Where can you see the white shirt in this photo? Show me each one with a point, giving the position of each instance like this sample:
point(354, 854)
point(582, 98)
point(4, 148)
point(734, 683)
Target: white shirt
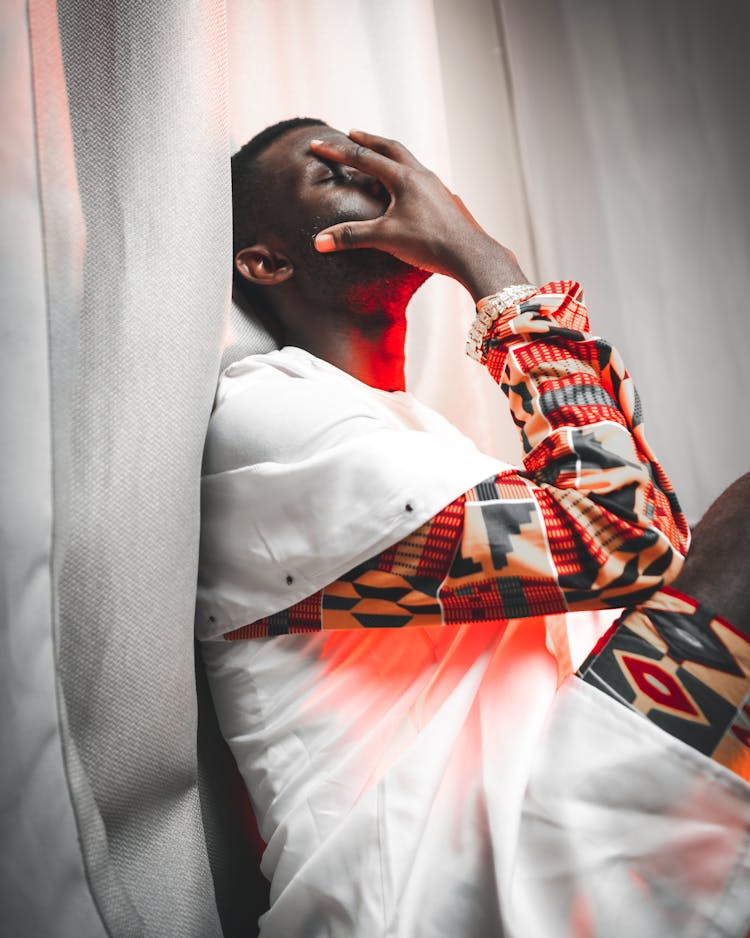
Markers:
point(308, 472)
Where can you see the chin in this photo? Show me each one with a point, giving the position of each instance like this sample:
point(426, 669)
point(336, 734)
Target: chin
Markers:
point(381, 282)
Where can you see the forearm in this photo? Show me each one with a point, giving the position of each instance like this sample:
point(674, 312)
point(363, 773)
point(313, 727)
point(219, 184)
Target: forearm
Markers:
point(596, 498)
point(578, 410)
point(482, 265)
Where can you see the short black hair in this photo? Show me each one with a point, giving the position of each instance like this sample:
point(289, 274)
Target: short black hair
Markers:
point(249, 195)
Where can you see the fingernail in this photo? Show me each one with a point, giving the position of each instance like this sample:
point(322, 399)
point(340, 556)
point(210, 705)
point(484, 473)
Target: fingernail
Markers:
point(315, 143)
point(324, 243)
point(355, 131)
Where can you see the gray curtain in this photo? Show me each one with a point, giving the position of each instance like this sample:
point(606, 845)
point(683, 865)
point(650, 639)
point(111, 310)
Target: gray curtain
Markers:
point(43, 886)
point(116, 297)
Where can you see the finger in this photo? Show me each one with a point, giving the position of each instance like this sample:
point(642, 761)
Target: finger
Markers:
point(348, 235)
point(393, 149)
point(360, 157)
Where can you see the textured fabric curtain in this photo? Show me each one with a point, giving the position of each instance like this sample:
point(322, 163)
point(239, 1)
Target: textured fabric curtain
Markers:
point(43, 887)
point(147, 90)
point(117, 221)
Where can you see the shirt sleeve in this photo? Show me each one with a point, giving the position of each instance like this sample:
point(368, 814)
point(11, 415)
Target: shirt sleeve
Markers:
point(590, 521)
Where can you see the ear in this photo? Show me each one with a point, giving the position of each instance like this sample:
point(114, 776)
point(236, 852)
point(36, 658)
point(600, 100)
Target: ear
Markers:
point(261, 265)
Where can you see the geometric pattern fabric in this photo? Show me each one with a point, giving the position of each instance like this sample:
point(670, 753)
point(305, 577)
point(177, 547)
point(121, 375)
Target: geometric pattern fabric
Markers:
point(684, 669)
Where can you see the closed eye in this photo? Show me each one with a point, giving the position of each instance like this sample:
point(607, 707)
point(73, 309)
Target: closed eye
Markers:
point(335, 175)
point(331, 172)
point(327, 171)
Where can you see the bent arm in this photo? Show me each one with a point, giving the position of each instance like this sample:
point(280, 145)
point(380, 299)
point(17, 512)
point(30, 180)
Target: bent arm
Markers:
point(590, 521)
point(593, 512)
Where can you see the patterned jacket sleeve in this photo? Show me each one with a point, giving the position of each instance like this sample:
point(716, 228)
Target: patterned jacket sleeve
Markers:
point(590, 522)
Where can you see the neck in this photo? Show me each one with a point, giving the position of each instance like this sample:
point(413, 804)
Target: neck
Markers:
point(372, 352)
point(362, 335)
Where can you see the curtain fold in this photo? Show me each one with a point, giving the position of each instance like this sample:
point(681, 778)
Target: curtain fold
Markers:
point(43, 885)
point(147, 91)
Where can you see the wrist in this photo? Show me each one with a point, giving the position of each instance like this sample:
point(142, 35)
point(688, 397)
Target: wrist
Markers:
point(489, 310)
point(486, 267)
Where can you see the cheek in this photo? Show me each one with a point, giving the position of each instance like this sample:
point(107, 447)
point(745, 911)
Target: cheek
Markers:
point(362, 205)
point(347, 203)
point(336, 208)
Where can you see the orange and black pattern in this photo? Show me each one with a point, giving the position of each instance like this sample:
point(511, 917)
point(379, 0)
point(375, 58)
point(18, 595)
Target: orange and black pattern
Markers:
point(590, 522)
point(396, 587)
point(684, 669)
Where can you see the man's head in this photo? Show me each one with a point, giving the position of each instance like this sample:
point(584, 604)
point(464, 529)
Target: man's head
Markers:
point(254, 198)
point(283, 194)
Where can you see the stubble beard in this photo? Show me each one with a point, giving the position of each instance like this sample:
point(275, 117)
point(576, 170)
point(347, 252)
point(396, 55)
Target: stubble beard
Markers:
point(366, 280)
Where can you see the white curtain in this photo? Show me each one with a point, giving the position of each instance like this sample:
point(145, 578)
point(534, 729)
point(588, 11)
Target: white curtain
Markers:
point(43, 885)
point(116, 227)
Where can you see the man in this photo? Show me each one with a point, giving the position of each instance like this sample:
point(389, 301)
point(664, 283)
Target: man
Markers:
point(388, 768)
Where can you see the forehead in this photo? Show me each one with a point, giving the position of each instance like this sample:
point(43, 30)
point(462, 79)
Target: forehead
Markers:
point(289, 155)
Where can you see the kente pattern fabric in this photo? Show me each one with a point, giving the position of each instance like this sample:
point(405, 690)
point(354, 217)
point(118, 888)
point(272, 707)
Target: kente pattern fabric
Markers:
point(591, 521)
point(685, 669)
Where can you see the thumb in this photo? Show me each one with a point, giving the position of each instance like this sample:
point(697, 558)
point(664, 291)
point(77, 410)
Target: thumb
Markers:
point(352, 234)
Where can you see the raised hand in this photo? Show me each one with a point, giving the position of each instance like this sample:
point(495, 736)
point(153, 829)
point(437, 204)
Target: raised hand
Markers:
point(424, 224)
